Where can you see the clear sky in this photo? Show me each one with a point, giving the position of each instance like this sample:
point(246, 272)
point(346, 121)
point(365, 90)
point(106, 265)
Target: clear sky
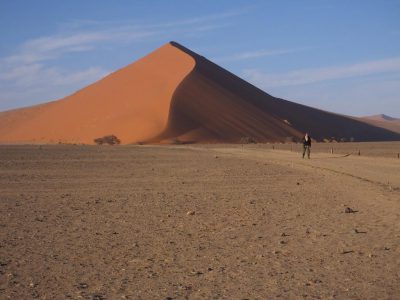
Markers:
point(341, 56)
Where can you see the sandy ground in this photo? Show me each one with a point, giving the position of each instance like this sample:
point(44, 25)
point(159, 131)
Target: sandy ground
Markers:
point(198, 222)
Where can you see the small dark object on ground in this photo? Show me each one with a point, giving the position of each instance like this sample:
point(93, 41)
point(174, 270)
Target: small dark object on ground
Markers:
point(349, 210)
point(83, 285)
point(108, 139)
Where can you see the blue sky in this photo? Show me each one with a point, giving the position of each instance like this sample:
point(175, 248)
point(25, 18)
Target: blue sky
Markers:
point(341, 56)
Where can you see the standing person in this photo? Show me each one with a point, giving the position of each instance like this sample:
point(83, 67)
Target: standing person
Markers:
point(306, 145)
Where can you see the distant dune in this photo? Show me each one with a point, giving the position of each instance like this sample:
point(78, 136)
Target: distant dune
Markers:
point(174, 95)
point(383, 121)
point(381, 117)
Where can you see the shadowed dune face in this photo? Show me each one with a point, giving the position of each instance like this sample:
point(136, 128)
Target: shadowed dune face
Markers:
point(208, 106)
point(132, 103)
point(212, 104)
point(174, 94)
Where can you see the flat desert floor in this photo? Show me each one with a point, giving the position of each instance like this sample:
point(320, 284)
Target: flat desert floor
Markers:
point(200, 222)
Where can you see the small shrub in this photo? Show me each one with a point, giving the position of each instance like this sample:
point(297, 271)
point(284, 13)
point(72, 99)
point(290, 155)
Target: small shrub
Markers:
point(176, 141)
point(330, 140)
point(290, 139)
point(108, 139)
point(248, 140)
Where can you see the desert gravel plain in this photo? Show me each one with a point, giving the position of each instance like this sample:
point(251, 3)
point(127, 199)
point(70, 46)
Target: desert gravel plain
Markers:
point(200, 222)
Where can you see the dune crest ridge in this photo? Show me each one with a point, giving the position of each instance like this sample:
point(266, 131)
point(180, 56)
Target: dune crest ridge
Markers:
point(174, 95)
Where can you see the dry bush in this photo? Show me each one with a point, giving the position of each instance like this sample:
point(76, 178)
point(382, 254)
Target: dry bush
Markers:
point(177, 141)
point(248, 140)
point(108, 139)
point(290, 139)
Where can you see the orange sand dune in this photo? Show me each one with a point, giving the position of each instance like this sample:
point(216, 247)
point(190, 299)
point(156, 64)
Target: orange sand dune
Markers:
point(171, 95)
point(132, 103)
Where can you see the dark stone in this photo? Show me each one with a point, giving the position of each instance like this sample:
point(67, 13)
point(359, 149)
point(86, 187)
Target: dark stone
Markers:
point(349, 210)
point(83, 285)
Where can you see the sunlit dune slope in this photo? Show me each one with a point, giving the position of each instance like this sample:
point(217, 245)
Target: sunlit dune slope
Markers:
point(132, 103)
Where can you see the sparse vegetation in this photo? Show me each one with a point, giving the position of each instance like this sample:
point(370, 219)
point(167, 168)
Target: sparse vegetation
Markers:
point(290, 139)
point(177, 141)
point(330, 140)
point(248, 140)
point(108, 139)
